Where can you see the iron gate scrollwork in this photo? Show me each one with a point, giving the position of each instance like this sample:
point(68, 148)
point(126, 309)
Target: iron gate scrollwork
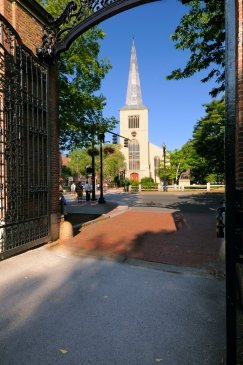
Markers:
point(77, 18)
point(24, 181)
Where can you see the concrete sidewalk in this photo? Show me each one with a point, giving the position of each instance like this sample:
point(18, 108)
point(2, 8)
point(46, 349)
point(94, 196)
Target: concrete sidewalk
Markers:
point(60, 309)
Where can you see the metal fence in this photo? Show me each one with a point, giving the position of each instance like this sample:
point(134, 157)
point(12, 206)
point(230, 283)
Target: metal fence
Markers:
point(24, 146)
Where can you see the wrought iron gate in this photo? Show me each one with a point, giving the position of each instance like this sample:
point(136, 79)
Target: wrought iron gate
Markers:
point(24, 141)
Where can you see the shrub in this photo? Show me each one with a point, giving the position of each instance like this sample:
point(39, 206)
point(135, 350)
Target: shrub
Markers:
point(146, 180)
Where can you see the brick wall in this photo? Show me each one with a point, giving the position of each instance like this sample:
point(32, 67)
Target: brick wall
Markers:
point(29, 29)
point(28, 19)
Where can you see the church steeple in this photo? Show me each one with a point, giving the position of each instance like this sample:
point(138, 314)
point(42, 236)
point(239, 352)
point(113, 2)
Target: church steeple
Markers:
point(134, 95)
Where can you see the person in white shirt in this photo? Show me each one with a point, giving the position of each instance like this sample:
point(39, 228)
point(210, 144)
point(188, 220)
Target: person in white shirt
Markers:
point(87, 189)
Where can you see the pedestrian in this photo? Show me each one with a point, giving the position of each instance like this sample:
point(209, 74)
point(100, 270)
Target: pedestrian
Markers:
point(105, 187)
point(87, 189)
point(62, 199)
point(73, 188)
point(79, 191)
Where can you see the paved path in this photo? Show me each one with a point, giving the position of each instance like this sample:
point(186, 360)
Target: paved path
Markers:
point(60, 309)
point(185, 237)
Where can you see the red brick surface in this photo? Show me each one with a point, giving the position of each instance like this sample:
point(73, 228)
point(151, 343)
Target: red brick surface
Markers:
point(188, 240)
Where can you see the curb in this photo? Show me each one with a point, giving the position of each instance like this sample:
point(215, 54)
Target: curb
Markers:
point(118, 210)
point(100, 219)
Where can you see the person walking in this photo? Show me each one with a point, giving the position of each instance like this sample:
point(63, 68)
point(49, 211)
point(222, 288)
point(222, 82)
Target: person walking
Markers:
point(73, 188)
point(87, 189)
point(79, 191)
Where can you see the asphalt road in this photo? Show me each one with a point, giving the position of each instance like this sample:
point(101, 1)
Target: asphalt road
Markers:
point(183, 201)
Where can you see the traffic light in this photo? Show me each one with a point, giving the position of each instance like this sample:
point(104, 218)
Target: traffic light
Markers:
point(125, 142)
point(114, 138)
point(89, 170)
point(101, 137)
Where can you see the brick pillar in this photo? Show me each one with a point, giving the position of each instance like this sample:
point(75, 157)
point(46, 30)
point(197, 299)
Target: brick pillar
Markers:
point(54, 152)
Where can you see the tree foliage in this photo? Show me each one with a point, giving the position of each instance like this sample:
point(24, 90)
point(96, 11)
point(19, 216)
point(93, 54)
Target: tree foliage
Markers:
point(203, 155)
point(208, 136)
point(202, 32)
point(78, 160)
point(187, 159)
point(80, 75)
point(113, 161)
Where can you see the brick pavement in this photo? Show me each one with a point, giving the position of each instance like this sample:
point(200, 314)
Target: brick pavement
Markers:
point(163, 237)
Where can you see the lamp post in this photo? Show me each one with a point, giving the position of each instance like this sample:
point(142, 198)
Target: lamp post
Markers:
point(156, 166)
point(164, 153)
point(93, 175)
point(101, 199)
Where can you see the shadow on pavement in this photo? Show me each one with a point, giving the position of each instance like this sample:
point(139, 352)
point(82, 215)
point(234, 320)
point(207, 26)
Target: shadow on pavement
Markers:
point(183, 239)
point(194, 203)
point(78, 219)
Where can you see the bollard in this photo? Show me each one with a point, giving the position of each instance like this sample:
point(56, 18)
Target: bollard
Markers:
point(66, 230)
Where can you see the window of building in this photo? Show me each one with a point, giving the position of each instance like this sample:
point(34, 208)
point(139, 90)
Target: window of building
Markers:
point(134, 155)
point(133, 121)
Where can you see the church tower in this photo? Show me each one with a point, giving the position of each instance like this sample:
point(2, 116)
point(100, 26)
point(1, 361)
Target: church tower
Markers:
point(134, 125)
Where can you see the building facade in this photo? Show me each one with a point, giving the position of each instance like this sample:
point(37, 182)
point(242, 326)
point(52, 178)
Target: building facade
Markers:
point(142, 158)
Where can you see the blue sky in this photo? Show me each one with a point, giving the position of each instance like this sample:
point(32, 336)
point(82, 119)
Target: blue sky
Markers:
point(174, 106)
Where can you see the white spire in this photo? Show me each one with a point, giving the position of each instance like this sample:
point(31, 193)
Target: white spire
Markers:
point(134, 95)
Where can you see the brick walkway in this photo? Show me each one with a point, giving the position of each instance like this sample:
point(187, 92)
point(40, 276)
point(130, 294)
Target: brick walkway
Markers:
point(162, 237)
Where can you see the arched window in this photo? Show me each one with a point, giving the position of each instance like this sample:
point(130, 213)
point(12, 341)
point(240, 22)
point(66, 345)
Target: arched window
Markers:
point(134, 155)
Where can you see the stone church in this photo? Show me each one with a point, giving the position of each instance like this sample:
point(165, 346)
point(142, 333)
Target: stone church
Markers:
point(142, 158)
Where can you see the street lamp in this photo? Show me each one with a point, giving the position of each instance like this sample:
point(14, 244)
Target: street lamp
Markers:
point(93, 173)
point(156, 166)
point(164, 153)
point(101, 199)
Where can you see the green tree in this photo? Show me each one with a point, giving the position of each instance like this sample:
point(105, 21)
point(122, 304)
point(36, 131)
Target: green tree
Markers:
point(208, 136)
point(66, 172)
point(202, 32)
point(203, 155)
point(92, 126)
point(113, 162)
point(80, 75)
point(78, 160)
point(188, 159)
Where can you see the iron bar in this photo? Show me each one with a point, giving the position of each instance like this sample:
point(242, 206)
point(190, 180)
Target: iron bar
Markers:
point(24, 203)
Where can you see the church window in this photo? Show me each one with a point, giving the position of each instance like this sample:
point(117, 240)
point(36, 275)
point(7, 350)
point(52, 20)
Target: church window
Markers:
point(134, 155)
point(133, 121)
